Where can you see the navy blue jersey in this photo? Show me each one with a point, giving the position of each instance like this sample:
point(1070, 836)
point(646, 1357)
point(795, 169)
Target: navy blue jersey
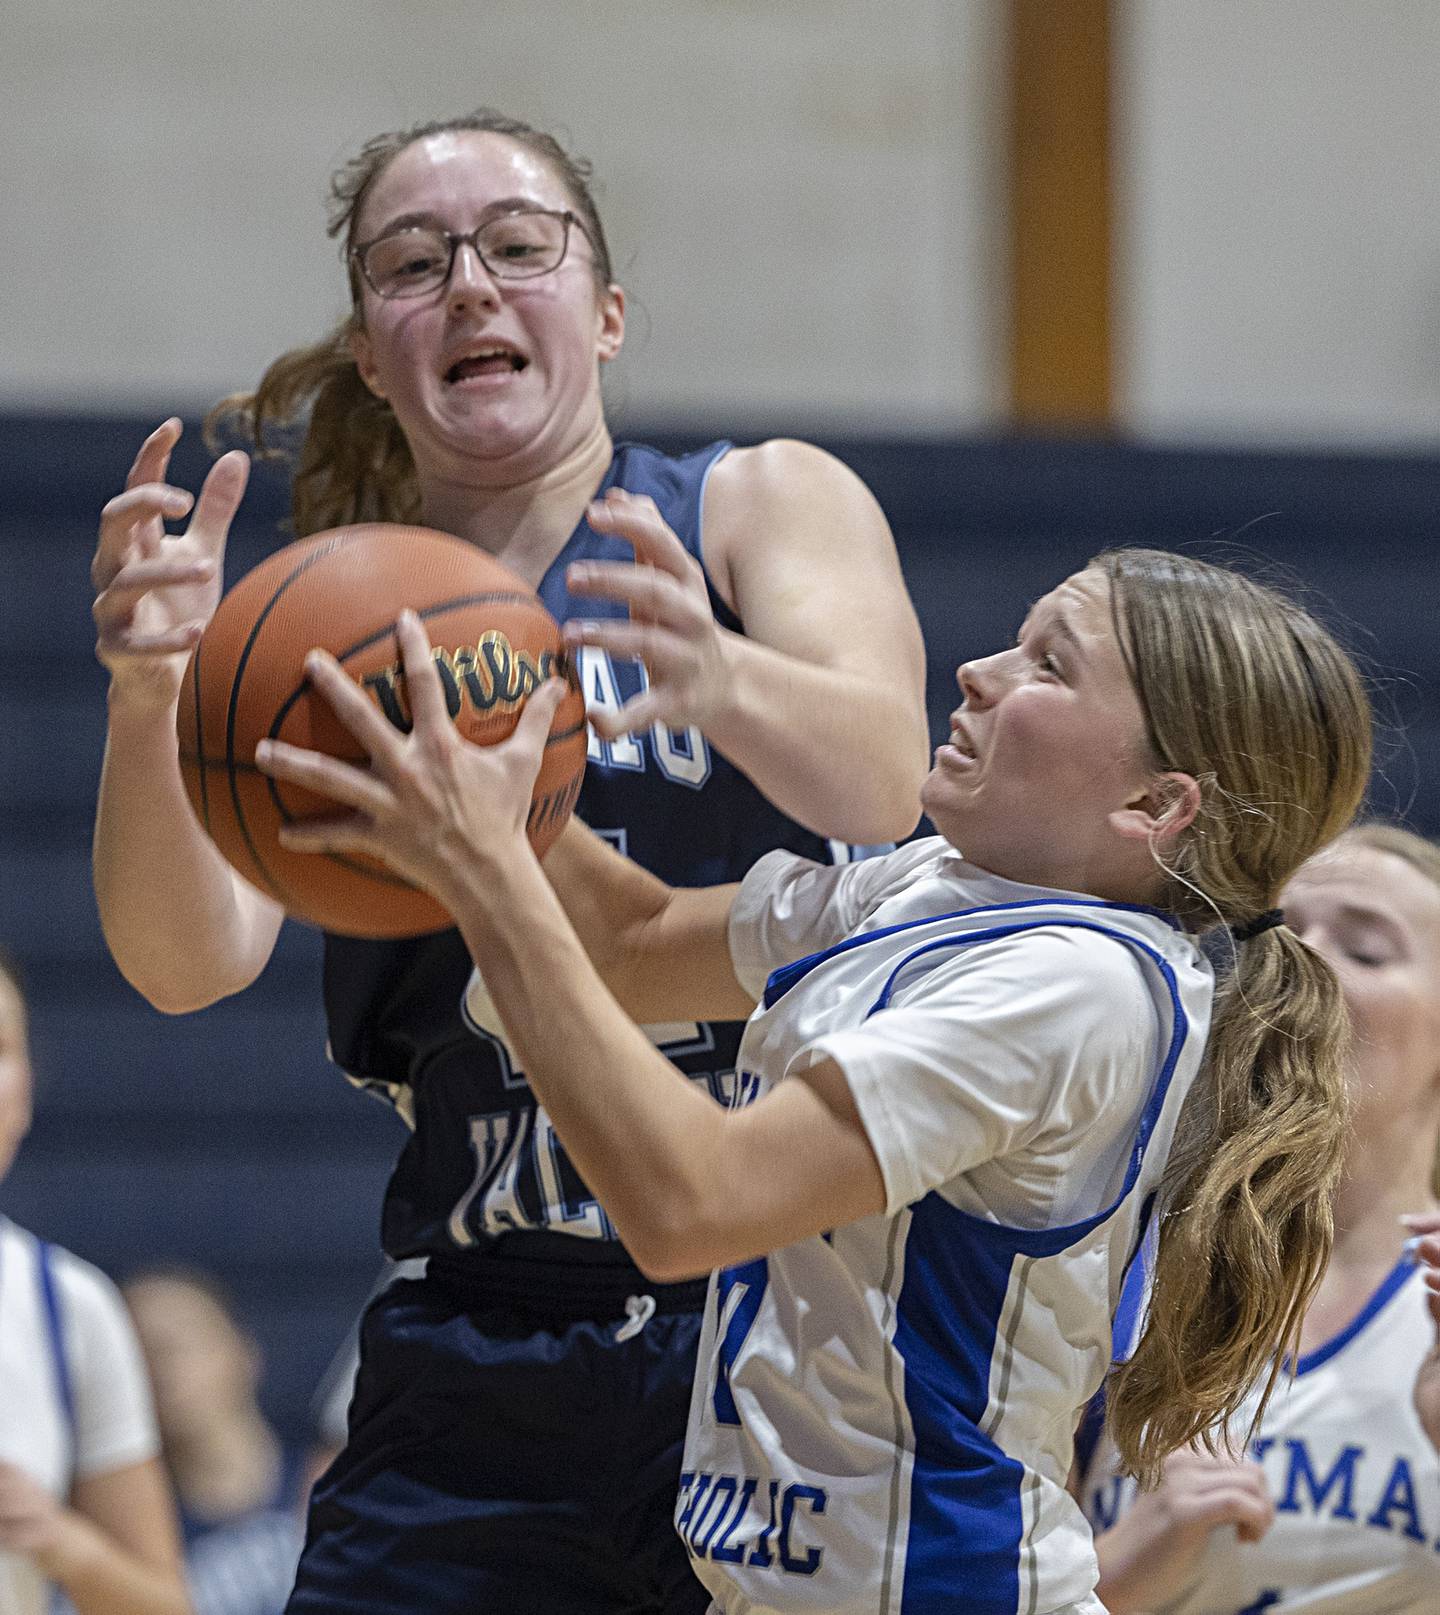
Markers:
point(483, 1173)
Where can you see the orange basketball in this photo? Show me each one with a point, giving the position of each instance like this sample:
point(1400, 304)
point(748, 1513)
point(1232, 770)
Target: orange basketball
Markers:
point(342, 590)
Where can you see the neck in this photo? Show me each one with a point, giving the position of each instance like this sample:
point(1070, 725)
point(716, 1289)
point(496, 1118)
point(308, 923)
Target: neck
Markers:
point(524, 516)
point(228, 1468)
point(1387, 1172)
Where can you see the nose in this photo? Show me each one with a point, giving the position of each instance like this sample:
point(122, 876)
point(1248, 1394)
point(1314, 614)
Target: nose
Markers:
point(470, 282)
point(979, 681)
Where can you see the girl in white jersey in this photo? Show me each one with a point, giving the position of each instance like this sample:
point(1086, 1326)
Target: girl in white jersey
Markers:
point(964, 1077)
point(1336, 1511)
point(84, 1505)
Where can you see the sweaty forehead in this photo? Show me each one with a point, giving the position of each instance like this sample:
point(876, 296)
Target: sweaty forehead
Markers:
point(465, 170)
point(1082, 605)
point(1085, 599)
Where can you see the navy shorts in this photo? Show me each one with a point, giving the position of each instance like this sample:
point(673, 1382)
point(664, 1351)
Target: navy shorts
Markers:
point(507, 1458)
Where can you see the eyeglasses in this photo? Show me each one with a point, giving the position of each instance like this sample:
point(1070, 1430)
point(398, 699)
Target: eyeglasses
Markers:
point(512, 246)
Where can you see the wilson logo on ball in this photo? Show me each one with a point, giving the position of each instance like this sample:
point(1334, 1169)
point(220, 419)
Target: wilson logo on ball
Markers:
point(490, 676)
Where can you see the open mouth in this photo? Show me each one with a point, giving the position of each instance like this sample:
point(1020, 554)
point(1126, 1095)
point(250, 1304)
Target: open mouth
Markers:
point(961, 744)
point(494, 361)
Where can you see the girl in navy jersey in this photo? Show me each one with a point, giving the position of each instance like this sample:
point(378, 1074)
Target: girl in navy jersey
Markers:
point(959, 1086)
point(755, 683)
point(1336, 1509)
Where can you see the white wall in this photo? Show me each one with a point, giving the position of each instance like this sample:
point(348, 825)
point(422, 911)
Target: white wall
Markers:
point(801, 194)
point(1280, 250)
point(805, 198)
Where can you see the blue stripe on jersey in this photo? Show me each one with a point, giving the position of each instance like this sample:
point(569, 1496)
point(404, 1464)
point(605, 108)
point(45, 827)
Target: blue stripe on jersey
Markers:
point(64, 1384)
point(966, 1522)
point(1390, 1285)
point(784, 977)
point(1125, 1332)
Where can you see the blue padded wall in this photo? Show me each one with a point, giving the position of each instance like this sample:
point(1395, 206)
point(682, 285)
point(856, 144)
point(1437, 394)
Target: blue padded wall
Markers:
point(224, 1138)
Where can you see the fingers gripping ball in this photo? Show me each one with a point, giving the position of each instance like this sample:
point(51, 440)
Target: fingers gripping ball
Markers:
point(343, 590)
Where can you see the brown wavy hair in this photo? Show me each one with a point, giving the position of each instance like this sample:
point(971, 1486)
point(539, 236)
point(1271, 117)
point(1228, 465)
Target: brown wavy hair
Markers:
point(1246, 692)
point(352, 462)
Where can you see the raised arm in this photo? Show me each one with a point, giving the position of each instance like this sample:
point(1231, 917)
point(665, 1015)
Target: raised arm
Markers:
point(183, 927)
point(821, 702)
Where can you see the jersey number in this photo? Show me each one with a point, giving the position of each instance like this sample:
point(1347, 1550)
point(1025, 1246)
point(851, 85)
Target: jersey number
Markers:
point(738, 1294)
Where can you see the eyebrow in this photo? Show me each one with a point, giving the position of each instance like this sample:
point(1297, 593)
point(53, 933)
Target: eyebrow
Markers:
point(1363, 914)
point(426, 218)
point(1060, 624)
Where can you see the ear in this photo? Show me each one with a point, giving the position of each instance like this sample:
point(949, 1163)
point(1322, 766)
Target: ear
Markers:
point(1169, 804)
point(364, 353)
point(610, 323)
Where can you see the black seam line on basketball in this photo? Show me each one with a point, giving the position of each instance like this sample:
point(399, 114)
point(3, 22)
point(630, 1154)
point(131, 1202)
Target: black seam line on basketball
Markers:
point(219, 762)
point(372, 871)
point(254, 769)
point(490, 598)
point(383, 633)
point(566, 734)
point(200, 742)
point(275, 885)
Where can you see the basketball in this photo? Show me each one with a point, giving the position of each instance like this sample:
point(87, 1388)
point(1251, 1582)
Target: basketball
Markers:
point(342, 591)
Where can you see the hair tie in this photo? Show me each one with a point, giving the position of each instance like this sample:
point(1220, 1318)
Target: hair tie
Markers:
point(1247, 930)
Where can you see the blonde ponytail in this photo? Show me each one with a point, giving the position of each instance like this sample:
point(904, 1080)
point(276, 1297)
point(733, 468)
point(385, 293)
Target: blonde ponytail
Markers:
point(1255, 700)
point(1247, 1226)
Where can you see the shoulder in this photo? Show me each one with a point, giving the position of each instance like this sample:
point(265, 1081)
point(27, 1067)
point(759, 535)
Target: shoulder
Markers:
point(862, 887)
point(780, 473)
point(784, 492)
point(1068, 1003)
point(91, 1305)
point(1057, 964)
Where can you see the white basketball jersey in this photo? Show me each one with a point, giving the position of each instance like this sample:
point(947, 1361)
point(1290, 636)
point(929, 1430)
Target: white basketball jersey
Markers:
point(1355, 1480)
point(74, 1399)
point(35, 1428)
point(883, 1417)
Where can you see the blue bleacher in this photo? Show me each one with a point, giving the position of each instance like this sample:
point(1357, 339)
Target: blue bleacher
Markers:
point(224, 1138)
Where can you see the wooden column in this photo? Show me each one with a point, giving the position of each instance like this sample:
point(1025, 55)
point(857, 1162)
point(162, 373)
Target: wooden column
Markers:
point(1061, 214)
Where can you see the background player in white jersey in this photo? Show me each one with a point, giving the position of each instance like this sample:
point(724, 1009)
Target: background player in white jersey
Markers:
point(84, 1504)
point(964, 1077)
point(1336, 1511)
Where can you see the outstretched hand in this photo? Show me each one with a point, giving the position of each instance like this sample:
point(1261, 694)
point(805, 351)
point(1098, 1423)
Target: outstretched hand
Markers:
point(155, 591)
point(1425, 1230)
point(431, 802)
point(671, 627)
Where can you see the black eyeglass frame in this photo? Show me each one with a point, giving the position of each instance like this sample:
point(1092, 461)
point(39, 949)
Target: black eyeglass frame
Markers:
point(471, 238)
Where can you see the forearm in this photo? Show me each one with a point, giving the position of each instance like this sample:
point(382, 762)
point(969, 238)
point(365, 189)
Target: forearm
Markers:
point(101, 1578)
point(662, 951)
point(841, 752)
point(1123, 1561)
point(646, 1141)
point(180, 925)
